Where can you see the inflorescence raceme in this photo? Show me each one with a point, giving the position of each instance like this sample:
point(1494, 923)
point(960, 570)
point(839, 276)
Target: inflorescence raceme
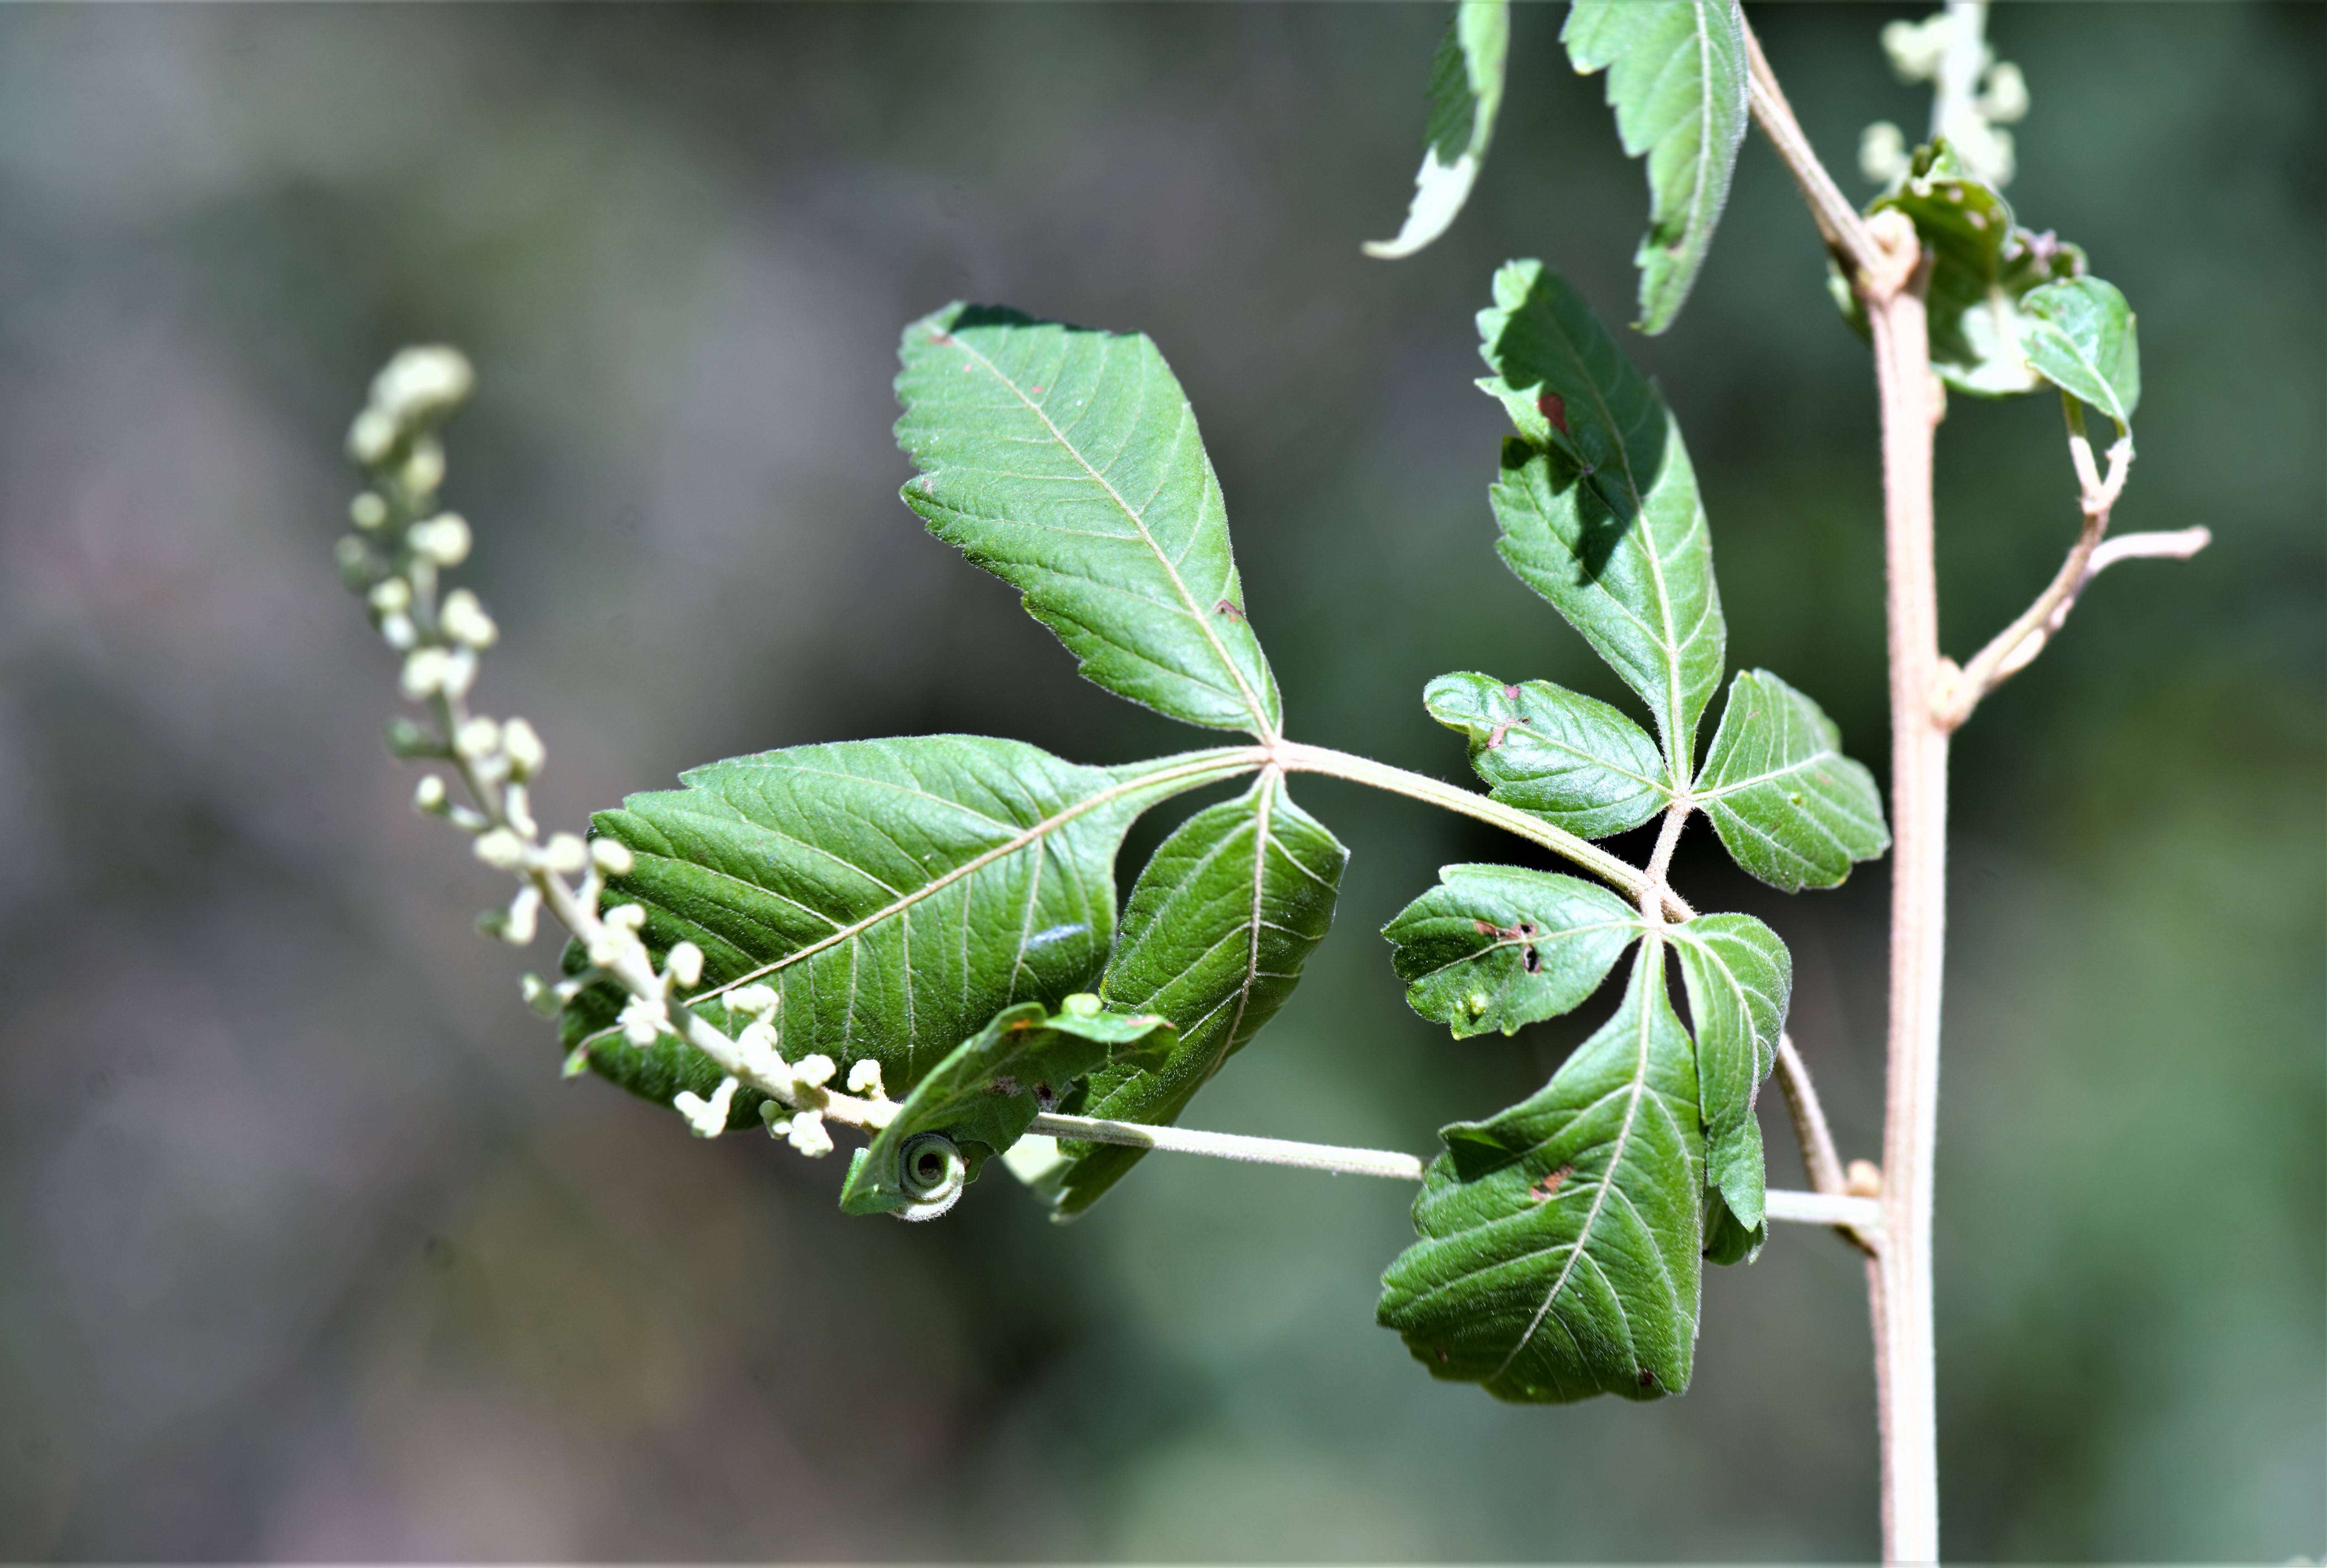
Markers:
point(403, 545)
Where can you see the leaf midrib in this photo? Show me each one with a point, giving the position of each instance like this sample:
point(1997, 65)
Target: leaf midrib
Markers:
point(1261, 726)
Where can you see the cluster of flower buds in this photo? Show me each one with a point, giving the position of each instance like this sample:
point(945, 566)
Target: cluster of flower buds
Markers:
point(402, 545)
point(1970, 120)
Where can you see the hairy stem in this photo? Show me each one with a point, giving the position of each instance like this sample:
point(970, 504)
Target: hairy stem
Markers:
point(1296, 758)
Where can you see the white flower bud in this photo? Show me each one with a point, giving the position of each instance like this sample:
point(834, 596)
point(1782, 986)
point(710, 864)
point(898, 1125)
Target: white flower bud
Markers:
point(465, 621)
point(367, 511)
point(644, 1019)
point(626, 917)
point(391, 596)
point(815, 1072)
point(1882, 152)
point(1916, 48)
point(535, 994)
point(524, 916)
point(479, 737)
point(565, 854)
point(523, 748)
point(865, 1078)
point(612, 856)
point(444, 538)
point(501, 849)
point(399, 632)
point(371, 437)
point(428, 796)
point(459, 672)
point(517, 807)
point(2006, 98)
point(612, 948)
point(752, 1000)
point(424, 471)
point(807, 1134)
point(708, 1118)
point(756, 1046)
point(425, 673)
point(684, 963)
point(423, 384)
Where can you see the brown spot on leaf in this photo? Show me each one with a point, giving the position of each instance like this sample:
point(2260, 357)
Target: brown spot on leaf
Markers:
point(941, 339)
point(1233, 612)
point(1529, 959)
point(1496, 739)
point(1554, 408)
point(1548, 1183)
point(1487, 927)
point(1511, 691)
point(1005, 1086)
point(1647, 1378)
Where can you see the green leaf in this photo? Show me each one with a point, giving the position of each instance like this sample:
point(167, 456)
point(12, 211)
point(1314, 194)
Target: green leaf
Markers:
point(2079, 336)
point(1727, 1241)
point(1677, 79)
point(1598, 503)
point(1560, 1239)
point(1739, 976)
point(1499, 946)
point(1218, 928)
point(1568, 758)
point(1466, 88)
point(897, 893)
point(1791, 809)
point(1066, 462)
point(1982, 266)
point(984, 1095)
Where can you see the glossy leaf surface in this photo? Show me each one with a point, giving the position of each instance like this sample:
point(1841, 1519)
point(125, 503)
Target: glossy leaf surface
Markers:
point(1217, 929)
point(1559, 1243)
point(1677, 79)
point(1739, 977)
point(1466, 88)
point(1066, 462)
point(1563, 756)
point(1598, 504)
point(989, 1089)
point(1494, 947)
point(897, 893)
point(1791, 807)
point(2080, 337)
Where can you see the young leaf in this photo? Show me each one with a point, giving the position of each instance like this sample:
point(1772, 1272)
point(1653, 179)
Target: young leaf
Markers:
point(1559, 1247)
point(1598, 504)
point(1677, 79)
point(1466, 88)
point(1791, 807)
point(1499, 947)
point(1542, 748)
point(897, 893)
point(2079, 336)
point(1739, 976)
point(1982, 266)
point(1215, 933)
point(982, 1097)
point(1066, 462)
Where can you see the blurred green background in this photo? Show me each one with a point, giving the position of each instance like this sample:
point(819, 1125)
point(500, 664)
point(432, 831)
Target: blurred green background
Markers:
point(304, 1250)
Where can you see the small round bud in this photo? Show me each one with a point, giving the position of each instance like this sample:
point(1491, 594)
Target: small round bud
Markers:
point(523, 917)
point(367, 511)
point(399, 632)
point(684, 964)
point(424, 471)
point(425, 669)
point(1882, 152)
point(815, 1070)
point(865, 1078)
point(479, 737)
point(517, 805)
point(371, 437)
point(752, 1000)
point(523, 748)
point(422, 384)
point(501, 849)
point(459, 672)
point(391, 596)
point(1081, 1004)
point(537, 995)
point(443, 539)
point(2006, 98)
point(428, 796)
point(626, 917)
point(644, 1019)
point(612, 856)
point(565, 853)
point(808, 1136)
point(465, 619)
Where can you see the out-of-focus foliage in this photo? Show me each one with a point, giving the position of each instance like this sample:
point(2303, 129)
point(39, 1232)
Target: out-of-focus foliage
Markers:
point(309, 1253)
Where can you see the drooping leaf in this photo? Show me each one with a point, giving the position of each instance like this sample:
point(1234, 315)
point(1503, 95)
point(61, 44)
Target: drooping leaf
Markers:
point(2079, 336)
point(1598, 504)
point(1499, 947)
point(989, 1089)
point(1727, 1241)
point(1739, 976)
point(1560, 1239)
point(1066, 462)
point(1982, 266)
point(1214, 937)
point(897, 893)
point(1466, 88)
point(1563, 756)
point(1791, 809)
point(1677, 79)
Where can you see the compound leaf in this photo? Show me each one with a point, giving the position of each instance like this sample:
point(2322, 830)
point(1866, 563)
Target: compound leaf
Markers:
point(1677, 79)
point(2079, 336)
point(1598, 504)
point(1499, 947)
point(1214, 937)
point(1563, 756)
point(897, 893)
point(1466, 88)
point(1791, 807)
point(1739, 976)
point(990, 1088)
point(1066, 462)
point(1559, 1243)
